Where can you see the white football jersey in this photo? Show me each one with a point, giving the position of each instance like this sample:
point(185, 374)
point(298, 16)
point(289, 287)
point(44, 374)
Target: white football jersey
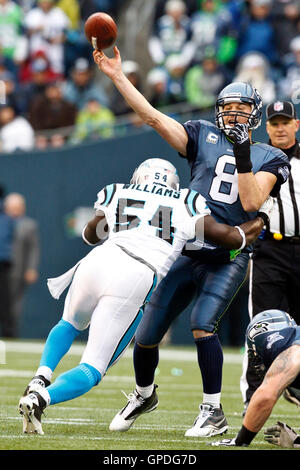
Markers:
point(151, 221)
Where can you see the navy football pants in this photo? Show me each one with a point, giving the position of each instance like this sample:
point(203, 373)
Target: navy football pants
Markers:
point(213, 285)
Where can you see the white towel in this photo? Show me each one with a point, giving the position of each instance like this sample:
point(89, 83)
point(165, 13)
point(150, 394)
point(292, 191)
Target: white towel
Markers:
point(57, 285)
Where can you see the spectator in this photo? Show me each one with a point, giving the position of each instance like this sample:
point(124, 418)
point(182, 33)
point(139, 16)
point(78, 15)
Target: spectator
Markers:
point(46, 26)
point(10, 92)
point(158, 91)
point(6, 241)
point(36, 63)
point(160, 5)
point(72, 9)
point(257, 32)
point(60, 113)
point(93, 122)
point(171, 34)
point(38, 75)
point(176, 68)
point(25, 254)
point(26, 5)
point(254, 68)
point(204, 81)
point(117, 103)
point(291, 80)
point(76, 45)
point(119, 106)
point(7, 65)
point(11, 17)
point(87, 8)
point(286, 17)
point(82, 86)
point(16, 132)
point(205, 24)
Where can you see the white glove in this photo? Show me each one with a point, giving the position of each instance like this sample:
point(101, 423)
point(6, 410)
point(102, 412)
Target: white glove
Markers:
point(224, 442)
point(281, 435)
point(267, 206)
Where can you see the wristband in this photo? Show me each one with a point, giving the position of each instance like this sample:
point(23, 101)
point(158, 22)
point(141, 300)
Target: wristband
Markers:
point(244, 437)
point(264, 216)
point(242, 157)
point(85, 240)
point(242, 233)
point(243, 165)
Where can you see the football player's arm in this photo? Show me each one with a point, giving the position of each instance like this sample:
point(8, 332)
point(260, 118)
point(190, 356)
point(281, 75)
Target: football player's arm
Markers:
point(169, 129)
point(281, 373)
point(227, 236)
point(254, 189)
point(95, 230)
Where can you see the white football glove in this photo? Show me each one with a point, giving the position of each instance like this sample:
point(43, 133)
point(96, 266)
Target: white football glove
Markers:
point(267, 206)
point(281, 435)
point(224, 442)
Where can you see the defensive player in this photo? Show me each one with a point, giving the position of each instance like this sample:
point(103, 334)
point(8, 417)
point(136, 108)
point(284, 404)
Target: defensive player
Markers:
point(273, 339)
point(148, 221)
point(235, 175)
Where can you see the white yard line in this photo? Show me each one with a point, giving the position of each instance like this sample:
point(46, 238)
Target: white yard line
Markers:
point(77, 350)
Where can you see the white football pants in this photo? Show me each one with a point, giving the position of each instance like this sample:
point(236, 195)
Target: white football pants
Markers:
point(107, 292)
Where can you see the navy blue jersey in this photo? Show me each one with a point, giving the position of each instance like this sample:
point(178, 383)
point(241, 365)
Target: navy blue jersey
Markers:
point(273, 343)
point(214, 173)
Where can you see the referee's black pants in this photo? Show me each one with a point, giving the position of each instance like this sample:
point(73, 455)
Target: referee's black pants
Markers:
point(274, 283)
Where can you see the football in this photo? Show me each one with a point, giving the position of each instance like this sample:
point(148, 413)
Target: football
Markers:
point(100, 30)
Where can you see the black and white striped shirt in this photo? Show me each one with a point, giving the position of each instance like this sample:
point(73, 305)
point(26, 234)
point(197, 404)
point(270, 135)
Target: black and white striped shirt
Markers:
point(285, 218)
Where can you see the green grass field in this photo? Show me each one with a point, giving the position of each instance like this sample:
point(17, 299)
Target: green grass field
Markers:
point(82, 424)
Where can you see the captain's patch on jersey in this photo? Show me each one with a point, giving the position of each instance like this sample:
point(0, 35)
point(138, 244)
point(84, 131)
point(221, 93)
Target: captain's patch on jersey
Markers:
point(212, 138)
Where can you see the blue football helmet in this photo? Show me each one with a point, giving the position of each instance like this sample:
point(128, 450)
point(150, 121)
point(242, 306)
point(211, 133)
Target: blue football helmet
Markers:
point(261, 325)
point(239, 92)
point(264, 322)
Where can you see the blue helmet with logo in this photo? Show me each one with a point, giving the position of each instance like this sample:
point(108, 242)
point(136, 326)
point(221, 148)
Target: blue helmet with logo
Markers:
point(239, 92)
point(261, 325)
point(264, 322)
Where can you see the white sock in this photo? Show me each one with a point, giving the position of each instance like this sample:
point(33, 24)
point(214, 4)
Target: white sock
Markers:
point(212, 399)
point(145, 392)
point(45, 372)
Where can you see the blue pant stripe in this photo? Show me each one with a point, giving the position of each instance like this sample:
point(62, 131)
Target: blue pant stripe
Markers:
point(127, 337)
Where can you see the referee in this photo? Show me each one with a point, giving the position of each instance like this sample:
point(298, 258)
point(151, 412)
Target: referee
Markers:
point(274, 281)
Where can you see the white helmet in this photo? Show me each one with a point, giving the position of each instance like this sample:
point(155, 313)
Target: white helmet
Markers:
point(156, 170)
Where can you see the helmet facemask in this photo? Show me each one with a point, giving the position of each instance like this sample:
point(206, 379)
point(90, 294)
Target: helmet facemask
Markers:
point(239, 93)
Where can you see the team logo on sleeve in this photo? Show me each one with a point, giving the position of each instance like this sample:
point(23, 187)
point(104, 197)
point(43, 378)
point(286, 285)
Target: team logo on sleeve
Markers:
point(284, 172)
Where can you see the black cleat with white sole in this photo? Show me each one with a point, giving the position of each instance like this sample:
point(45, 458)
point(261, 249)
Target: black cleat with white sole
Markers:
point(31, 407)
point(136, 406)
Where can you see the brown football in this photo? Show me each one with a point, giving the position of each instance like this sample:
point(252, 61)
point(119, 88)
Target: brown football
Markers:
point(101, 30)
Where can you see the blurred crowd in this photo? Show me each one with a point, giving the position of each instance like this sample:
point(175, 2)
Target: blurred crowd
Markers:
point(52, 95)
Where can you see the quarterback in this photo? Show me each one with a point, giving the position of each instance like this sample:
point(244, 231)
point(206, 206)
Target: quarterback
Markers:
point(235, 175)
point(146, 224)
